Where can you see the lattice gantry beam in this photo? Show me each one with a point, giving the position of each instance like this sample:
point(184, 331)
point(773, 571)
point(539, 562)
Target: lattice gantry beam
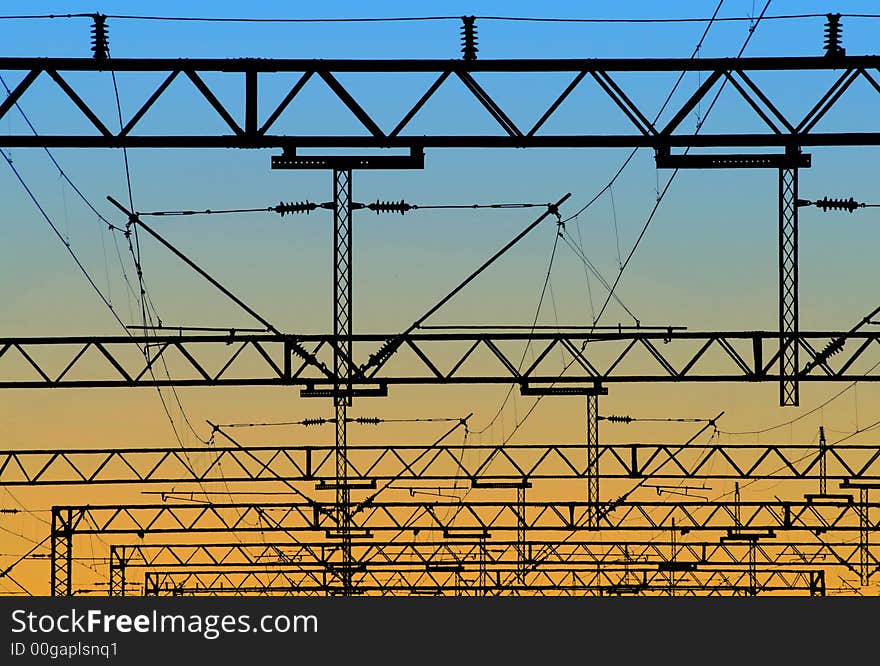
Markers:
point(480, 463)
point(453, 556)
point(745, 521)
point(629, 580)
point(455, 520)
point(435, 359)
point(256, 118)
point(427, 554)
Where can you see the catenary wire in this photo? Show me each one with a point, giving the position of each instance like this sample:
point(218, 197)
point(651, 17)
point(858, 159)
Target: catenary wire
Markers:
point(395, 19)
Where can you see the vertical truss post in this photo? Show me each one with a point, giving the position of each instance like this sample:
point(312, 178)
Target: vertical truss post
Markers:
point(864, 534)
point(672, 556)
point(751, 542)
point(823, 462)
point(118, 561)
point(522, 555)
point(343, 364)
point(482, 577)
point(151, 585)
point(342, 359)
point(753, 567)
point(737, 507)
point(789, 394)
point(593, 460)
point(61, 556)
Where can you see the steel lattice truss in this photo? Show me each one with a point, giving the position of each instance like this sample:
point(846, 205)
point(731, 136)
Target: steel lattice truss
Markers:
point(471, 519)
point(428, 554)
point(733, 565)
point(257, 126)
point(625, 580)
point(430, 359)
point(473, 464)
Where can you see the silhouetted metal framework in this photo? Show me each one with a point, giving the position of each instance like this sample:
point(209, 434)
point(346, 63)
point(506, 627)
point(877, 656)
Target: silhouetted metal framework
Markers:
point(64, 525)
point(476, 465)
point(343, 366)
point(789, 389)
point(522, 546)
point(482, 521)
point(456, 556)
point(256, 125)
point(254, 129)
point(864, 536)
point(563, 581)
point(463, 520)
point(432, 359)
point(593, 470)
point(833, 550)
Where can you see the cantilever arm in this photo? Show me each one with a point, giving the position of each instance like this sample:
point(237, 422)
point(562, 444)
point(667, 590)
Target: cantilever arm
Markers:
point(377, 360)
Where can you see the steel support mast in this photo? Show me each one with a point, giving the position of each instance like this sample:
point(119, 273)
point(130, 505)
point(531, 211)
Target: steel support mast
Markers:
point(593, 459)
point(342, 358)
point(789, 393)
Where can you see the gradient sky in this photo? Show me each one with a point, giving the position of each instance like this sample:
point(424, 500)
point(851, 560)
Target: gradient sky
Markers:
point(707, 262)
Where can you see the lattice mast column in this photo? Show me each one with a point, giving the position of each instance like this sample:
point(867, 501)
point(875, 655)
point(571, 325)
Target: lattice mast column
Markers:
point(864, 534)
point(342, 359)
point(593, 460)
point(61, 557)
point(673, 553)
point(789, 393)
point(118, 561)
point(521, 545)
point(482, 571)
point(753, 566)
